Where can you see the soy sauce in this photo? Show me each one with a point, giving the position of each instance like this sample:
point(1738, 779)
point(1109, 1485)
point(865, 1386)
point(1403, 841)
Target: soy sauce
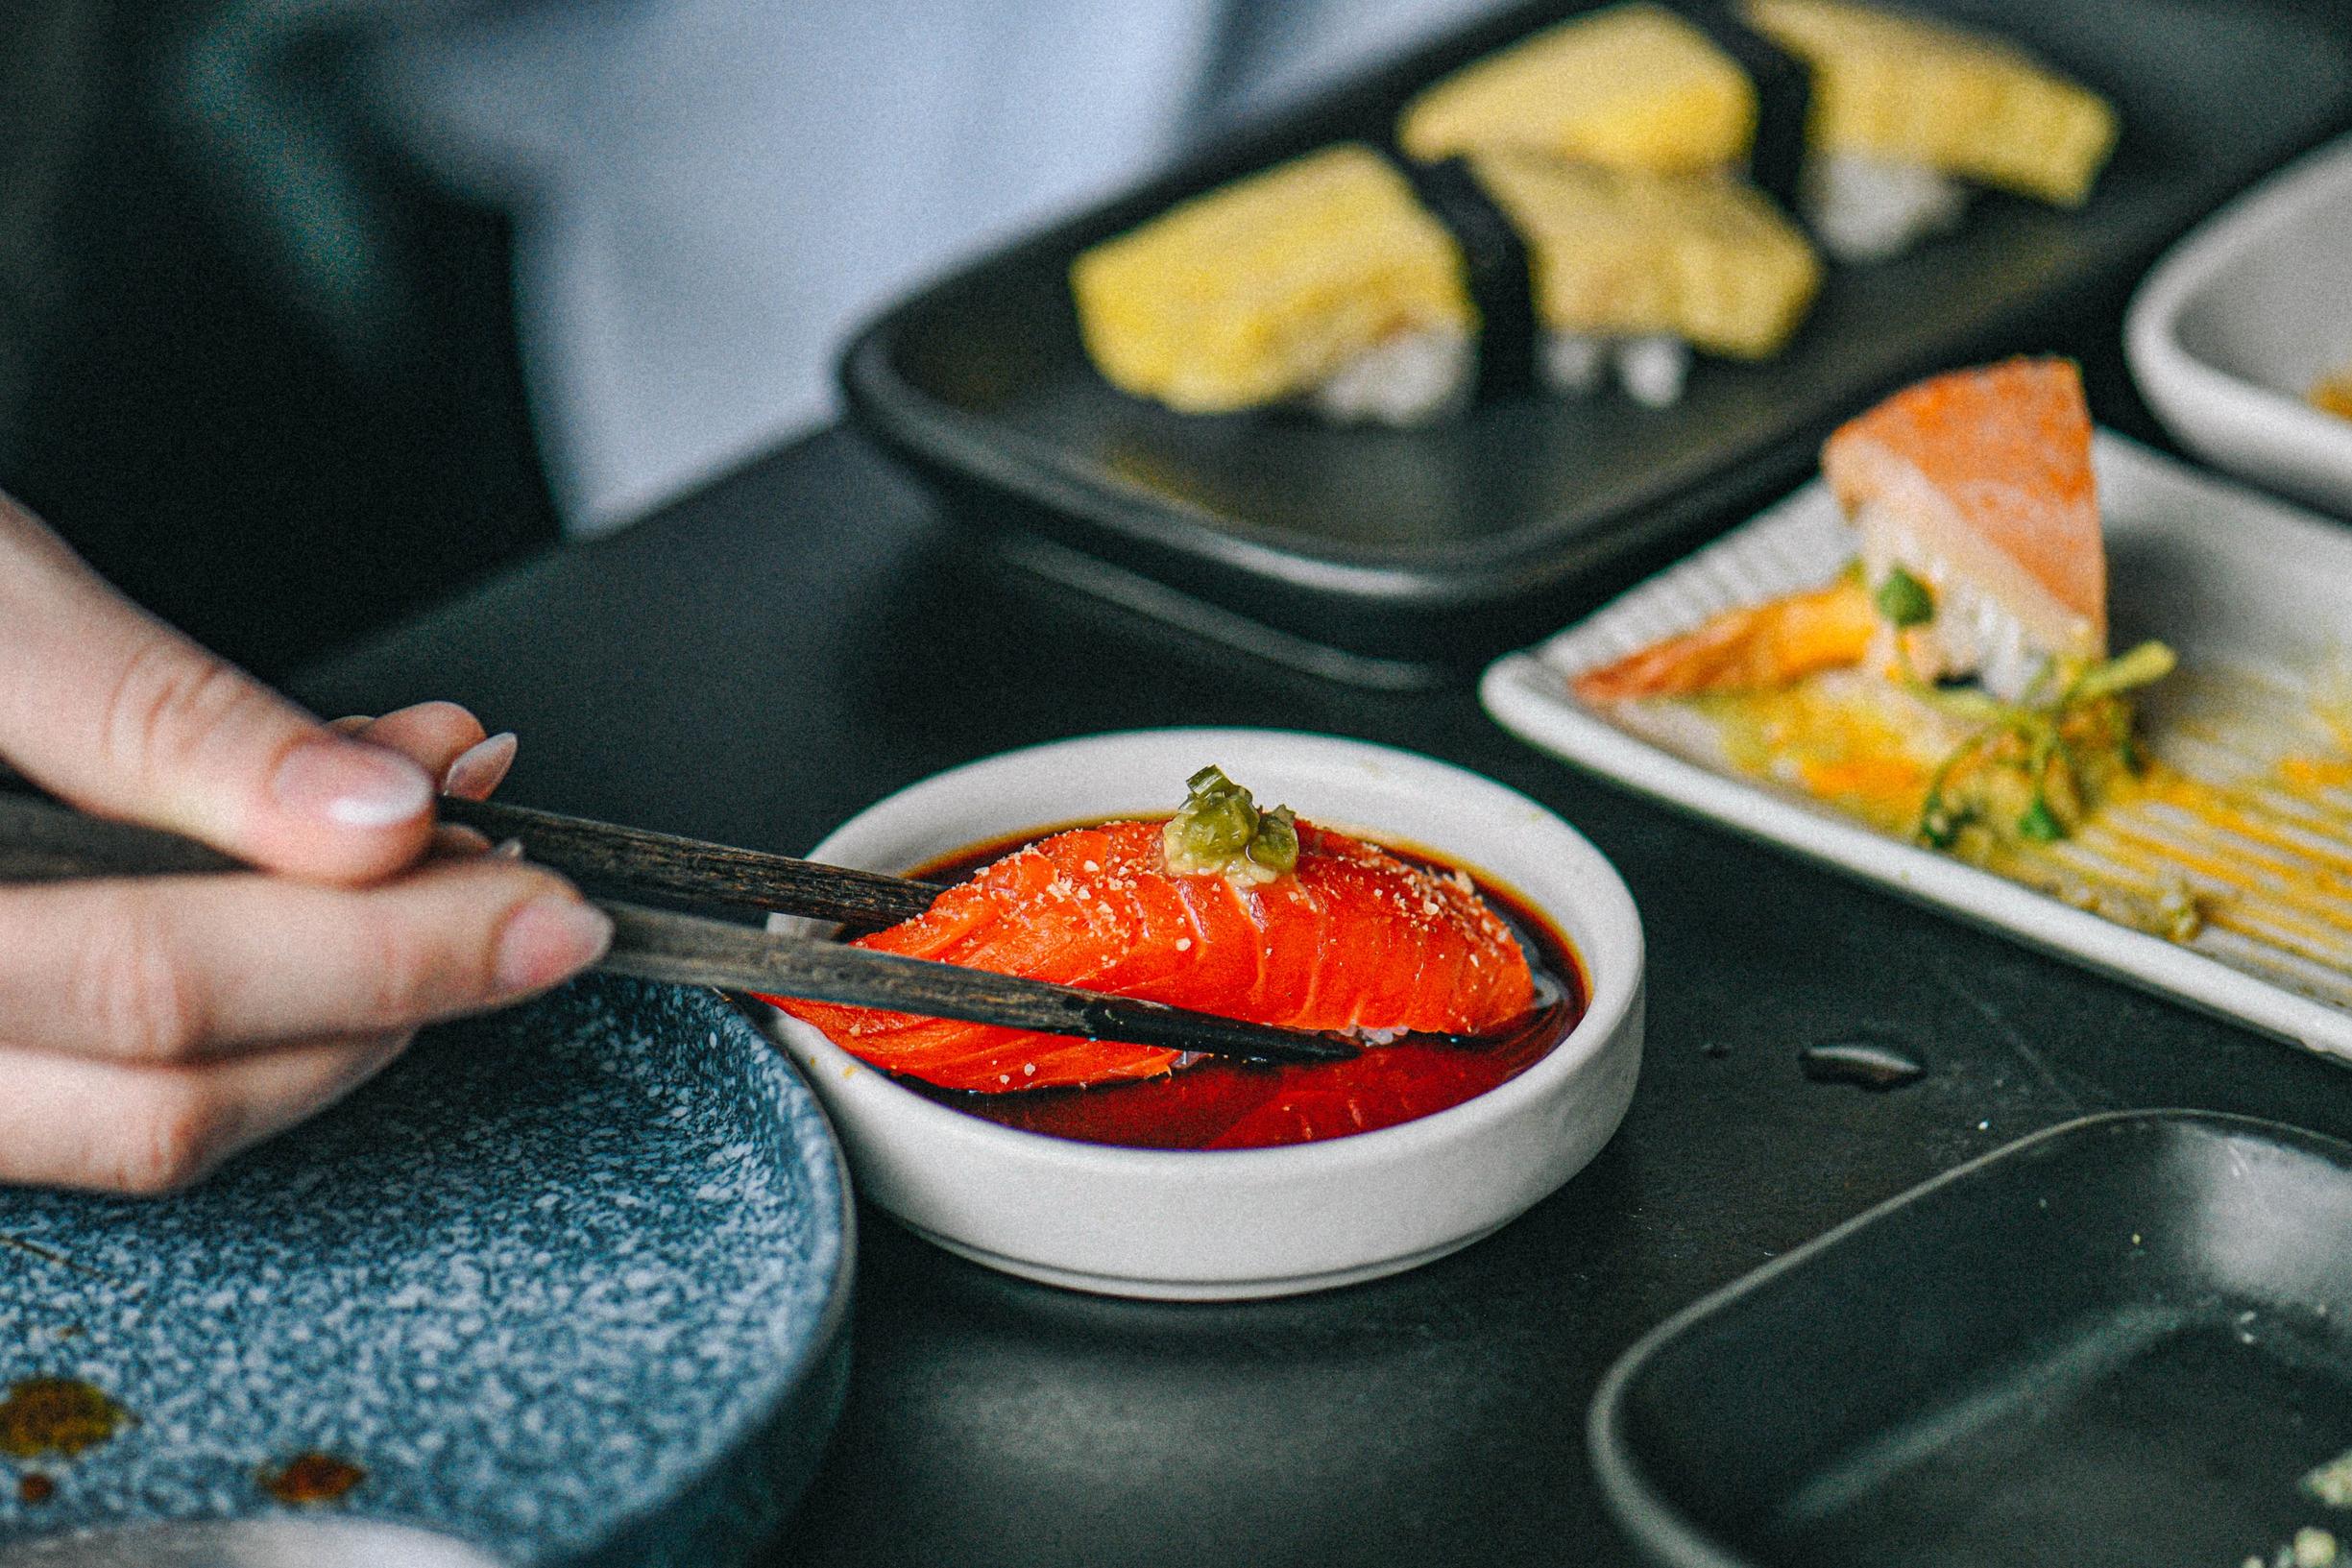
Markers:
point(1217, 1104)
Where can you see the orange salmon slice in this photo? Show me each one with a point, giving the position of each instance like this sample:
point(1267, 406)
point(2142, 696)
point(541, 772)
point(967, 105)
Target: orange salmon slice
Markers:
point(1984, 476)
point(1353, 938)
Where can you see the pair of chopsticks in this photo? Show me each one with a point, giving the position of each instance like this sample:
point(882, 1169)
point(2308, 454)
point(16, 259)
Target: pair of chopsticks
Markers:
point(41, 841)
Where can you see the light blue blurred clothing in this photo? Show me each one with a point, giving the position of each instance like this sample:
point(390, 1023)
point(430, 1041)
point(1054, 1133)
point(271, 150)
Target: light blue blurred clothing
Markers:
point(709, 194)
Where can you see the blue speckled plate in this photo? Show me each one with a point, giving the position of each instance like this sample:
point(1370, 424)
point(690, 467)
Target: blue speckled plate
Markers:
point(568, 1284)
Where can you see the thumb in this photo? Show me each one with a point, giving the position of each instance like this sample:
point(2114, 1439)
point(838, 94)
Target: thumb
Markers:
point(114, 710)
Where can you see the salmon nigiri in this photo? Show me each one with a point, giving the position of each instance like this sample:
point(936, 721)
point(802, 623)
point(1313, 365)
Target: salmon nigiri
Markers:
point(1221, 908)
point(1977, 521)
point(1985, 708)
point(1976, 486)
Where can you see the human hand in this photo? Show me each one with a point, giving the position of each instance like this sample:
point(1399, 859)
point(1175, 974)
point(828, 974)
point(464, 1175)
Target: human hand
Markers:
point(150, 1029)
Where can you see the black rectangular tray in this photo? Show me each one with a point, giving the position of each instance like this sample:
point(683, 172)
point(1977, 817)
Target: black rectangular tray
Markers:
point(2123, 1341)
point(1415, 554)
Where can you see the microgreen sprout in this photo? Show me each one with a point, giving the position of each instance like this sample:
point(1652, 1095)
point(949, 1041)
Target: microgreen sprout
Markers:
point(2040, 824)
point(2036, 727)
point(2149, 663)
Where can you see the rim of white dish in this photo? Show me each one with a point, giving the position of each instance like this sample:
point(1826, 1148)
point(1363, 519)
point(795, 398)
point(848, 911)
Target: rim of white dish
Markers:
point(1612, 992)
point(2152, 322)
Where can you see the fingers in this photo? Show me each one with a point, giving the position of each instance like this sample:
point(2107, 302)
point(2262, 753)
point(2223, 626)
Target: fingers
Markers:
point(163, 1127)
point(148, 1029)
point(448, 742)
point(176, 970)
point(430, 734)
point(119, 713)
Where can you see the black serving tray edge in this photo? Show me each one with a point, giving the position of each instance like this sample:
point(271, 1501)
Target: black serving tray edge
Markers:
point(1390, 622)
point(1657, 1527)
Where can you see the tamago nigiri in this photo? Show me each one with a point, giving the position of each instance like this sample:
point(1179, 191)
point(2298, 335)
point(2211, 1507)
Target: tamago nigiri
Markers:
point(1324, 283)
point(1224, 909)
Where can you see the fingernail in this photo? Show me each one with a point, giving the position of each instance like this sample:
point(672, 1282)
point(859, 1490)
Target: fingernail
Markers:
point(547, 939)
point(509, 849)
point(480, 766)
point(351, 785)
point(456, 841)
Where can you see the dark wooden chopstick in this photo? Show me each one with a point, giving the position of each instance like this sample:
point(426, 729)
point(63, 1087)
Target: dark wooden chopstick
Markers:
point(689, 949)
point(41, 841)
point(632, 862)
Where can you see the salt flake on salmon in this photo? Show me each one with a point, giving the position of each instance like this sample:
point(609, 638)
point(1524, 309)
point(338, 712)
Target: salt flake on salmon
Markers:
point(1223, 908)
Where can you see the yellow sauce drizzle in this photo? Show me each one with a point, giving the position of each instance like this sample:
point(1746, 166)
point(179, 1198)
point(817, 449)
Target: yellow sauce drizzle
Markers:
point(2266, 856)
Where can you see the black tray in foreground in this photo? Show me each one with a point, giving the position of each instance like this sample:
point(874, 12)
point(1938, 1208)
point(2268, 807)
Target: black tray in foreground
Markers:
point(1402, 557)
point(2123, 1341)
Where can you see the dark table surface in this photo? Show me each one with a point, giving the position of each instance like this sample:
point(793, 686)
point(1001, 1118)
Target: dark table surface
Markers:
point(789, 644)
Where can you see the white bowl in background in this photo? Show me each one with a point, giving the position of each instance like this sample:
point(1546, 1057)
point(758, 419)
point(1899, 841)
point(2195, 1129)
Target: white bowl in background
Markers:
point(2227, 333)
point(1232, 1223)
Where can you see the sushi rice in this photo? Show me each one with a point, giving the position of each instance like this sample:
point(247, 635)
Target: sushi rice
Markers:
point(1867, 209)
point(1421, 378)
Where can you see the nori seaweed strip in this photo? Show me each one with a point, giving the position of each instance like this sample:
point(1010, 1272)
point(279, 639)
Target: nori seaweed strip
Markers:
point(1494, 257)
point(1783, 94)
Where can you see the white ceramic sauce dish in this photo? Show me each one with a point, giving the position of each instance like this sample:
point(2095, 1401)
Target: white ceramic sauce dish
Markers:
point(1227, 1224)
point(2230, 331)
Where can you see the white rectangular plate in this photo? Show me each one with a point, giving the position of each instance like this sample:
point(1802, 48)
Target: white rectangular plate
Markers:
point(2255, 596)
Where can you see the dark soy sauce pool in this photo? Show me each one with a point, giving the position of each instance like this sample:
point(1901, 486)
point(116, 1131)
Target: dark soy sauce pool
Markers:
point(1220, 1103)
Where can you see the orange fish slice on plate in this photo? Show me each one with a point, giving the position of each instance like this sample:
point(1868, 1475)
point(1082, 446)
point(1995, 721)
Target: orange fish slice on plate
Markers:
point(1977, 485)
point(1331, 933)
point(1977, 515)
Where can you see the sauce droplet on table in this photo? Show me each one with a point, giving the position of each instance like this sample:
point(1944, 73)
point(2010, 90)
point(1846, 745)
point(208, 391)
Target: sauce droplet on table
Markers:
point(1878, 1068)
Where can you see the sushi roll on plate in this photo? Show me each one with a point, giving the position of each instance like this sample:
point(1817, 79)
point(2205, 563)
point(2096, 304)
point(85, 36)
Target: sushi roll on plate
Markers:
point(1976, 486)
point(1978, 555)
point(1908, 113)
point(1325, 282)
point(1641, 268)
point(1896, 114)
point(1629, 86)
point(1953, 683)
point(1904, 670)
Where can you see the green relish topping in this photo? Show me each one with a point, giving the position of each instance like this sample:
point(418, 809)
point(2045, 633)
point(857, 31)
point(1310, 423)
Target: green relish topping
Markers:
point(1905, 600)
point(1220, 829)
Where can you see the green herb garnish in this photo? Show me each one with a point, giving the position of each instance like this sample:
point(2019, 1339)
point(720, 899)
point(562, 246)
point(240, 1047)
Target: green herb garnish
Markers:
point(2147, 663)
point(2031, 736)
point(1905, 600)
point(2039, 823)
